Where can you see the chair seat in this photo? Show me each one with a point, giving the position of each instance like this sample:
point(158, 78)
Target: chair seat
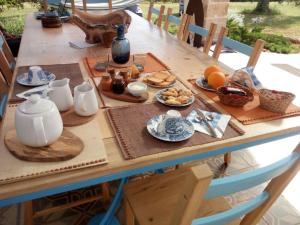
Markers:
point(153, 200)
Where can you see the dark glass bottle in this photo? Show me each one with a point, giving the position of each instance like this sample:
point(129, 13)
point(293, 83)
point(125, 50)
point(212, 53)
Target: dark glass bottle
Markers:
point(120, 49)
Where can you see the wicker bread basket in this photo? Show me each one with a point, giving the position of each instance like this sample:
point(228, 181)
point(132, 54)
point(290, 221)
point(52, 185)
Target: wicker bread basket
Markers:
point(234, 99)
point(275, 101)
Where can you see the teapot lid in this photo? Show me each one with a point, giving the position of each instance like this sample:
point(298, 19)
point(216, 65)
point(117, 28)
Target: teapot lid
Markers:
point(35, 104)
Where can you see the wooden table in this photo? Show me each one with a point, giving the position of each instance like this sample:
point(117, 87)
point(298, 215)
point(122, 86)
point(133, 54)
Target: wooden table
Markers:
point(50, 46)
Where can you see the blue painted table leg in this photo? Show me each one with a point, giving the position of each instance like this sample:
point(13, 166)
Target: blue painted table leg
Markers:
point(109, 218)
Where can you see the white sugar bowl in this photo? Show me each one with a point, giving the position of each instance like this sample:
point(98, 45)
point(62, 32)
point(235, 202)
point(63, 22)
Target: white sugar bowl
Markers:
point(38, 122)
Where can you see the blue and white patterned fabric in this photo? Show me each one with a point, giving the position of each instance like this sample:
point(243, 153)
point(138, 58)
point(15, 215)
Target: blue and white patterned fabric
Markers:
point(219, 122)
point(246, 77)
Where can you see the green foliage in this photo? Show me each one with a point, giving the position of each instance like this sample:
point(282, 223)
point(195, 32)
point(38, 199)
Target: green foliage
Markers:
point(13, 25)
point(12, 19)
point(274, 43)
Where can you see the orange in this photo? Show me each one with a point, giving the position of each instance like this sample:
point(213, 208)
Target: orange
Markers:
point(210, 70)
point(216, 79)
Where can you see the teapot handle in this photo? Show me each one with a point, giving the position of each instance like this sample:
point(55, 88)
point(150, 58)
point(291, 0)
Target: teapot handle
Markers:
point(81, 102)
point(39, 130)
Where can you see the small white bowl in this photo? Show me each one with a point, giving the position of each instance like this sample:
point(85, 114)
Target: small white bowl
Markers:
point(137, 88)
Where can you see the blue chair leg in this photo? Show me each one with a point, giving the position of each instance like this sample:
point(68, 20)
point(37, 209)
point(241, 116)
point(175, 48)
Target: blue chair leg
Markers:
point(2, 105)
point(109, 218)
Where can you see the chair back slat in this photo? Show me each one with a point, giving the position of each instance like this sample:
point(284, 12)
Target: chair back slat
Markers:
point(207, 34)
point(84, 5)
point(174, 19)
point(155, 11)
point(198, 30)
point(181, 23)
point(253, 52)
point(228, 185)
point(149, 15)
point(3, 101)
point(158, 12)
point(160, 15)
point(234, 213)
point(196, 183)
point(185, 19)
point(238, 46)
point(169, 13)
point(7, 60)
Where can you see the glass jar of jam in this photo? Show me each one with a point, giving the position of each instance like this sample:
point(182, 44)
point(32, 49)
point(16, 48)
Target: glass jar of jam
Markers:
point(112, 73)
point(105, 83)
point(125, 76)
point(118, 85)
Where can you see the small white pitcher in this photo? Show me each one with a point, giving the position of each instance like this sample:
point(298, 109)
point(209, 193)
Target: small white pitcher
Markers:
point(60, 94)
point(85, 100)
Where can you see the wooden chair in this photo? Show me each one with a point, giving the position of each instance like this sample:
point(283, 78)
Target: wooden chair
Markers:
point(181, 23)
point(157, 12)
point(3, 96)
point(7, 60)
point(224, 41)
point(208, 34)
point(84, 5)
point(189, 196)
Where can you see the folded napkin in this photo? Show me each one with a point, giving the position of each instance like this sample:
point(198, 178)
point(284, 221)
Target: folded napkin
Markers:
point(219, 122)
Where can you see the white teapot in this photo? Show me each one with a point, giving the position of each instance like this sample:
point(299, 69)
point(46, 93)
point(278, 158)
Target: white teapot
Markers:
point(38, 122)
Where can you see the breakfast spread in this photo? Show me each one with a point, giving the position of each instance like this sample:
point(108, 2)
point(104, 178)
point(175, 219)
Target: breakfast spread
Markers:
point(174, 96)
point(160, 79)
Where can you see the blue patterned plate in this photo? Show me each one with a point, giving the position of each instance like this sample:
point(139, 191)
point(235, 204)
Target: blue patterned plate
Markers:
point(176, 129)
point(202, 83)
point(160, 98)
point(23, 79)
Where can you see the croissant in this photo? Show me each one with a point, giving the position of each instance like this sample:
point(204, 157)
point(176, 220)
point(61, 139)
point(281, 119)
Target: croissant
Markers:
point(100, 28)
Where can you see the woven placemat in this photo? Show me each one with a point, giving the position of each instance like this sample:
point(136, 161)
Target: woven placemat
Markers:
point(71, 71)
point(129, 125)
point(251, 112)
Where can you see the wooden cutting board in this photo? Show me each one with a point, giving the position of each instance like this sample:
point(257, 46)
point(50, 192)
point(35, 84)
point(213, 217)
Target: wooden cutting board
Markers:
point(66, 147)
point(71, 119)
point(126, 96)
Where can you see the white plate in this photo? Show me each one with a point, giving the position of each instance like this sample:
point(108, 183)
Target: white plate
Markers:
point(23, 79)
point(202, 83)
point(186, 131)
point(159, 98)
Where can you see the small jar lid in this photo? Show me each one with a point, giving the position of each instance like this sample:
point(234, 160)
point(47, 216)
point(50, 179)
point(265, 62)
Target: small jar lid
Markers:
point(119, 78)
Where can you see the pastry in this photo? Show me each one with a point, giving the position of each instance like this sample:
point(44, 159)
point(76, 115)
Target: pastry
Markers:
point(154, 80)
point(174, 96)
point(160, 79)
point(135, 73)
point(161, 75)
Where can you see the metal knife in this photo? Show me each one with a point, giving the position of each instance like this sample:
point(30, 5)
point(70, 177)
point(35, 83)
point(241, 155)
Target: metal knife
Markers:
point(203, 117)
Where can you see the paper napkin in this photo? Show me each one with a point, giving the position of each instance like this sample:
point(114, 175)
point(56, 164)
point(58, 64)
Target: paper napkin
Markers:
point(219, 122)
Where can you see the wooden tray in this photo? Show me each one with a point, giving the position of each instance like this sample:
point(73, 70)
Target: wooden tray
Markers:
point(126, 96)
point(66, 147)
point(71, 119)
